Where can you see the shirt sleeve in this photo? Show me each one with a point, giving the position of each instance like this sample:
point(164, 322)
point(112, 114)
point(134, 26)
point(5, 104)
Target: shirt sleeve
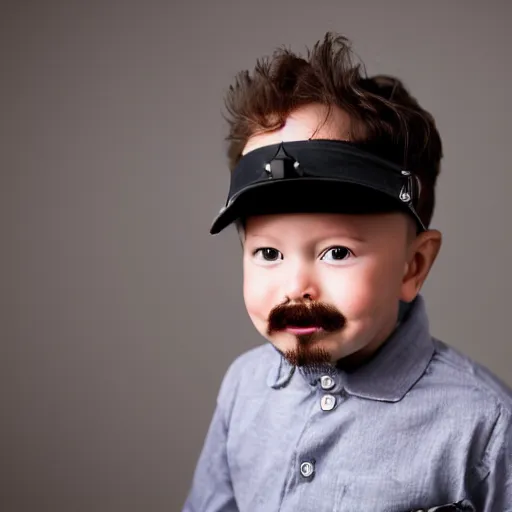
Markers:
point(211, 489)
point(494, 493)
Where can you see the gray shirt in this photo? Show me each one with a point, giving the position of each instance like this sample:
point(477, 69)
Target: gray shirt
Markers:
point(418, 426)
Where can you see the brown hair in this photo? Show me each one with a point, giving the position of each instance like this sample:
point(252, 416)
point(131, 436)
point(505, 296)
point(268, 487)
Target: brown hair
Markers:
point(384, 116)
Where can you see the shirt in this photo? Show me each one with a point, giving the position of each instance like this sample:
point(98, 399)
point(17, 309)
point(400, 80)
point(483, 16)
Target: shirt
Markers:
point(418, 426)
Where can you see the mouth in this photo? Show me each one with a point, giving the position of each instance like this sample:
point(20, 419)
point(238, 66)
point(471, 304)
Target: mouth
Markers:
point(301, 331)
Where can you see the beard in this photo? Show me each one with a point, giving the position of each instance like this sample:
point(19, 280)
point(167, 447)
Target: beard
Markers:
point(310, 358)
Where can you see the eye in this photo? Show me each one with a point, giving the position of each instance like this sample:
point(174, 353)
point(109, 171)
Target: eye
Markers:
point(338, 253)
point(268, 254)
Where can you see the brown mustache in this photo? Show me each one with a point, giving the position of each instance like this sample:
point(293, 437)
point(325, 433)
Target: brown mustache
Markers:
point(305, 314)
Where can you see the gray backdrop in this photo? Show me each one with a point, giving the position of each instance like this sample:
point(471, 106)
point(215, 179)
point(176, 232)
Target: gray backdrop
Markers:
point(119, 313)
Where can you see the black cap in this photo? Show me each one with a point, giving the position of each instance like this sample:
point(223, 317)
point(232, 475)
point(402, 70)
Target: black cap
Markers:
point(317, 176)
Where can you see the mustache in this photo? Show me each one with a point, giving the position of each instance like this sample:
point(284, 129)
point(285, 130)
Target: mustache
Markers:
point(305, 314)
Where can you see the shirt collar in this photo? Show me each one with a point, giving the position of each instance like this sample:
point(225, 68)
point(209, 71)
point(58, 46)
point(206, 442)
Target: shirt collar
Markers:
point(391, 373)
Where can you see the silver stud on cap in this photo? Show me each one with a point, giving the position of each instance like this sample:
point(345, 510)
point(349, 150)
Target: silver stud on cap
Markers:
point(404, 195)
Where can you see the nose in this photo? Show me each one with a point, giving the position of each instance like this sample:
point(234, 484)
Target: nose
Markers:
point(300, 284)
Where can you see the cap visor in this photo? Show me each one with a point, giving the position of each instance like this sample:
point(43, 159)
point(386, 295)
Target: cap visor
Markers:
point(306, 195)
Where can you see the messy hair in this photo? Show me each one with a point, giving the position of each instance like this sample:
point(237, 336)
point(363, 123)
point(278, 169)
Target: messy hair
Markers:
point(383, 115)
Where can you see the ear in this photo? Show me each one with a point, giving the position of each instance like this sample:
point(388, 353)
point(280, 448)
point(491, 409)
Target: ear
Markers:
point(422, 254)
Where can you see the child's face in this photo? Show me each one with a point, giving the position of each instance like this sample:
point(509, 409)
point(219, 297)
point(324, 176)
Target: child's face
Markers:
point(361, 265)
point(355, 263)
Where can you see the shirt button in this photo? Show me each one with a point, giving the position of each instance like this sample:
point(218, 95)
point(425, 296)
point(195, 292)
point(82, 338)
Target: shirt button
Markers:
point(328, 403)
point(307, 469)
point(327, 382)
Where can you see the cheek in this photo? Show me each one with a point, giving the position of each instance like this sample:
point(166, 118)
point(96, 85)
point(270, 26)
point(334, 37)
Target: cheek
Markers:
point(258, 293)
point(365, 289)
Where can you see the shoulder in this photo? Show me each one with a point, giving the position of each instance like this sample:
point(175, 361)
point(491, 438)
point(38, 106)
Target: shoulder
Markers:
point(474, 406)
point(471, 398)
point(252, 364)
point(253, 359)
point(249, 371)
point(469, 380)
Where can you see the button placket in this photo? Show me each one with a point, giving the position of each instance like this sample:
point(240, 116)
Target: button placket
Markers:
point(328, 401)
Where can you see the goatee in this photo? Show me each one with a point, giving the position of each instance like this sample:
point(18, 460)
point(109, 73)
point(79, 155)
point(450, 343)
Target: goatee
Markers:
point(306, 313)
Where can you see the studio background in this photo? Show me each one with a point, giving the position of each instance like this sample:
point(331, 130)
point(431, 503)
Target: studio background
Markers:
point(119, 313)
